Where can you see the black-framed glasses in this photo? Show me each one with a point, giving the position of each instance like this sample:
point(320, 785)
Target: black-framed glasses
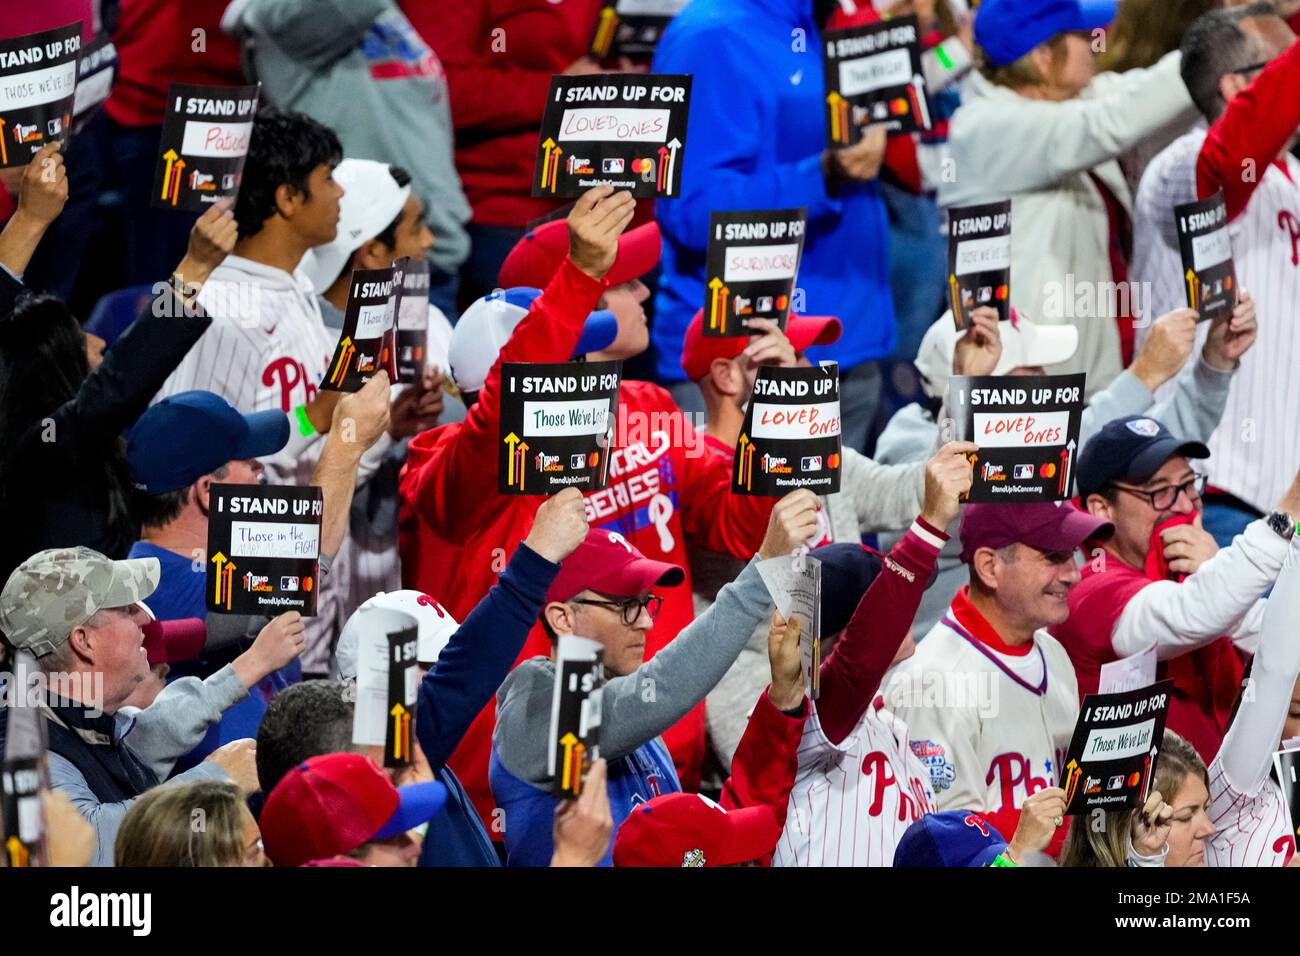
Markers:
point(1162, 499)
point(630, 608)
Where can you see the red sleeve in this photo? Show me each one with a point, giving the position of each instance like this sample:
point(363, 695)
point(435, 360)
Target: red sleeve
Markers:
point(764, 765)
point(490, 93)
point(1007, 819)
point(1255, 126)
point(852, 673)
point(548, 333)
point(901, 164)
point(711, 515)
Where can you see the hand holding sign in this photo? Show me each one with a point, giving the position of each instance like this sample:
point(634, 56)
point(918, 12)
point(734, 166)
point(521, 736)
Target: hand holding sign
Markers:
point(417, 407)
point(365, 412)
point(277, 645)
point(1041, 814)
point(211, 240)
point(560, 526)
point(1231, 337)
point(1151, 825)
point(768, 346)
point(583, 825)
point(860, 162)
point(598, 218)
point(792, 522)
point(1166, 348)
point(947, 483)
point(44, 187)
point(785, 657)
point(979, 349)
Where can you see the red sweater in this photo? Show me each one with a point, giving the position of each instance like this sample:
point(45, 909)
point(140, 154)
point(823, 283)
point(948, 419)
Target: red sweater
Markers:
point(499, 56)
point(156, 44)
point(766, 762)
point(455, 533)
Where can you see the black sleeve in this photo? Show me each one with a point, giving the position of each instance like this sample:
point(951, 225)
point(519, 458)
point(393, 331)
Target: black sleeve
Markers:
point(9, 290)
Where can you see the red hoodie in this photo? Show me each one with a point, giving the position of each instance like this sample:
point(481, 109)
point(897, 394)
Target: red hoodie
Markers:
point(456, 533)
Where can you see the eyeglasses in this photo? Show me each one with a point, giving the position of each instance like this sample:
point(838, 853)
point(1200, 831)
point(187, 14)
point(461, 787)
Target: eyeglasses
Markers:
point(1162, 499)
point(631, 608)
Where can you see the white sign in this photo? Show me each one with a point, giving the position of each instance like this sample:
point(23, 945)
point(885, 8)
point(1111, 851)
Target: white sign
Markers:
point(274, 539)
point(615, 125)
point(758, 263)
point(1128, 673)
point(820, 420)
point(374, 320)
point(37, 87)
point(572, 418)
point(216, 140)
point(866, 73)
point(1115, 743)
point(983, 255)
point(1211, 249)
point(1020, 429)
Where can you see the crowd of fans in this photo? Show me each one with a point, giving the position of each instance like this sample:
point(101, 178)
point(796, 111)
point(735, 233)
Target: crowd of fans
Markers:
point(408, 128)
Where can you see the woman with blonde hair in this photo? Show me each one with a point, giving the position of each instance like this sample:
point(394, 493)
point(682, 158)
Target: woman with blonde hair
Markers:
point(205, 823)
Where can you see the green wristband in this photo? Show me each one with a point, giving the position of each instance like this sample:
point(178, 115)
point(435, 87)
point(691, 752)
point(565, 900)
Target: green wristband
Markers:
point(1003, 860)
point(305, 427)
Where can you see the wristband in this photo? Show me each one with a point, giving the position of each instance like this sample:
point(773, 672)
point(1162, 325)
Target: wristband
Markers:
point(305, 427)
point(1003, 860)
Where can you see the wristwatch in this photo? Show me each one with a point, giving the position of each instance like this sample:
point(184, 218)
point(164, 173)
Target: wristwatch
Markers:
point(1283, 524)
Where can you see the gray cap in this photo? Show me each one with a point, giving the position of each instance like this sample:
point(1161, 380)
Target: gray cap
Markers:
point(56, 591)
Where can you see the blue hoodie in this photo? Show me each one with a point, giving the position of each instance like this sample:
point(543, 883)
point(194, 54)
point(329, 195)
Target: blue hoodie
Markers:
point(755, 138)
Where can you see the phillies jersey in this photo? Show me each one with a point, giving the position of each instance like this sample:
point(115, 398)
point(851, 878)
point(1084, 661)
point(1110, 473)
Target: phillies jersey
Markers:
point(851, 803)
point(1252, 829)
point(990, 729)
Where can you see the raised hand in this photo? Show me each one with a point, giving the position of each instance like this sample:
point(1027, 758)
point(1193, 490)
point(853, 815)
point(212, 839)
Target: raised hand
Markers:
point(792, 522)
point(947, 479)
point(598, 218)
point(560, 526)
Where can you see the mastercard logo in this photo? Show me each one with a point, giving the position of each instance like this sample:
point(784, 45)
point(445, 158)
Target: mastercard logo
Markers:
point(1048, 470)
point(832, 461)
point(642, 165)
point(899, 106)
point(1133, 778)
point(306, 584)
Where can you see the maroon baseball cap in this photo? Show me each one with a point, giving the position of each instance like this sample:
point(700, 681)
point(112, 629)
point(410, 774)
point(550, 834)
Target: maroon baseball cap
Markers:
point(687, 829)
point(1045, 525)
point(699, 350)
point(169, 642)
point(537, 256)
point(608, 563)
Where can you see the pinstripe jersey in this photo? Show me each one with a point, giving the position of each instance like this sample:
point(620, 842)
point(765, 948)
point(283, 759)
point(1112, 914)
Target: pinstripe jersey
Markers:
point(851, 802)
point(1256, 448)
point(1253, 829)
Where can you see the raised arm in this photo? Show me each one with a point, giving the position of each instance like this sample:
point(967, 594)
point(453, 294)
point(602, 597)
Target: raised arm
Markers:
point(41, 196)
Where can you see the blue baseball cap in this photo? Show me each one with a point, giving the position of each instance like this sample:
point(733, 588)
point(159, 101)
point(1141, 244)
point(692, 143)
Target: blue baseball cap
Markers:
point(950, 839)
point(1132, 449)
point(191, 434)
point(1008, 29)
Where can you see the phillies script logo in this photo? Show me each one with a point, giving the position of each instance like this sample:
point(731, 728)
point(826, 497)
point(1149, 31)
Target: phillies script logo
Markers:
point(977, 823)
point(910, 805)
point(288, 374)
point(1287, 221)
point(1011, 770)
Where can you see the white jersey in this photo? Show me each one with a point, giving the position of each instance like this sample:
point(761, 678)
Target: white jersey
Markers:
point(1255, 452)
point(1252, 829)
point(851, 802)
point(991, 731)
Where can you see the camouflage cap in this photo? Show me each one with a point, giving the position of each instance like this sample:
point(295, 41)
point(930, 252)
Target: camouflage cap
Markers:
point(55, 591)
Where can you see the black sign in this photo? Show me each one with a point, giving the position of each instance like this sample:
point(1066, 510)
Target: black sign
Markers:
point(613, 129)
point(403, 687)
point(263, 548)
point(557, 426)
point(752, 262)
point(411, 283)
point(1027, 429)
point(96, 70)
point(24, 769)
point(367, 343)
point(631, 28)
point(873, 76)
point(1208, 273)
point(979, 260)
point(1286, 763)
point(38, 82)
point(575, 713)
point(1112, 754)
point(791, 436)
point(205, 136)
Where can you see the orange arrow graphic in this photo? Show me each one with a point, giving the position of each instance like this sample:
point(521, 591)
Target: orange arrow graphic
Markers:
point(346, 351)
point(4, 150)
point(18, 853)
point(171, 157)
point(605, 31)
point(176, 181)
point(715, 284)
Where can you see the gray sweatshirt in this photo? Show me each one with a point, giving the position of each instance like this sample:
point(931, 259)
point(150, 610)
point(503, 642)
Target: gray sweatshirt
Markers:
point(360, 67)
point(159, 735)
point(1192, 410)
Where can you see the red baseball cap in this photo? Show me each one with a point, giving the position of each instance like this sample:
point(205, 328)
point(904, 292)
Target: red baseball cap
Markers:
point(610, 564)
point(537, 256)
point(687, 829)
point(1045, 525)
point(699, 350)
point(329, 805)
point(168, 642)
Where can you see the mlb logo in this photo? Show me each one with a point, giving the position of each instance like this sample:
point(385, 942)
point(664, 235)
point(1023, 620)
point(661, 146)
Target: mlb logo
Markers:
point(611, 165)
point(288, 583)
point(1116, 782)
point(578, 461)
point(764, 303)
point(228, 181)
point(811, 463)
point(55, 126)
point(985, 294)
point(1024, 471)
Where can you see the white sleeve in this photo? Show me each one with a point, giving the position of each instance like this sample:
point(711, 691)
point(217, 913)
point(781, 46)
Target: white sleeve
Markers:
point(1248, 747)
point(1208, 604)
point(950, 736)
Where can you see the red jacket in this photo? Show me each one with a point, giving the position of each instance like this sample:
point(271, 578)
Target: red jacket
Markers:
point(499, 56)
point(766, 762)
point(456, 533)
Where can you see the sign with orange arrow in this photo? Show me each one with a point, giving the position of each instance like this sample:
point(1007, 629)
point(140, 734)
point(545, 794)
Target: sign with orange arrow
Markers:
point(979, 260)
point(873, 76)
point(205, 135)
point(403, 689)
point(1113, 749)
point(38, 80)
point(368, 340)
point(411, 288)
point(625, 130)
point(24, 770)
point(557, 426)
point(575, 713)
point(752, 262)
point(1206, 249)
point(263, 549)
point(791, 435)
point(1027, 430)
point(631, 28)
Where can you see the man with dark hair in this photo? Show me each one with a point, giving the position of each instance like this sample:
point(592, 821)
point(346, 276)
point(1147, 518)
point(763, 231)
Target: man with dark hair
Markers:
point(306, 720)
point(1242, 66)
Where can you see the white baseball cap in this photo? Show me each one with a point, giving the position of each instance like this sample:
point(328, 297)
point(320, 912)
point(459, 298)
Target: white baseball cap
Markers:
point(1024, 343)
point(436, 626)
point(371, 200)
point(488, 323)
